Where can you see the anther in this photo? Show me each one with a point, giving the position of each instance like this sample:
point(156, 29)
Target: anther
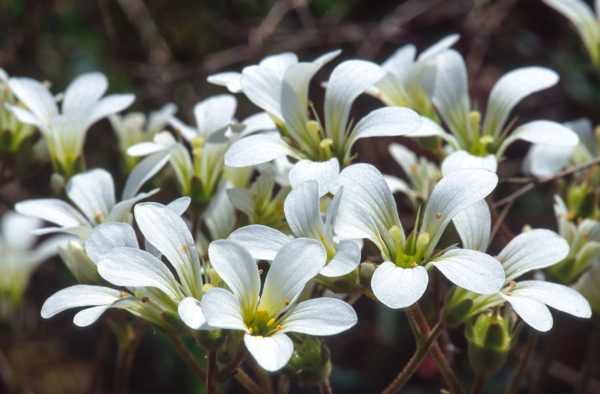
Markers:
point(414, 167)
point(497, 258)
point(512, 284)
point(185, 248)
point(123, 295)
point(145, 299)
point(270, 322)
point(438, 215)
point(177, 130)
point(278, 327)
point(98, 216)
point(322, 238)
point(260, 272)
point(508, 293)
point(414, 265)
point(570, 216)
point(250, 330)
point(287, 302)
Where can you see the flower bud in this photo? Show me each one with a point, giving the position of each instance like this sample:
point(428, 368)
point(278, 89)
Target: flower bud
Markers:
point(490, 339)
point(211, 340)
point(458, 307)
point(310, 362)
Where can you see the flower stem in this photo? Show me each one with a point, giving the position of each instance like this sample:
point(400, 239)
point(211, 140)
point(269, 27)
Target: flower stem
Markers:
point(523, 363)
point(248, 383)
point(188, 357)
point(283, 385)
point(326, 387)
point(126, 352)
point(415, 313)
point(479, 384)
point(230, 369)
point(590, 357)
point(423, 346)
point(211, 370)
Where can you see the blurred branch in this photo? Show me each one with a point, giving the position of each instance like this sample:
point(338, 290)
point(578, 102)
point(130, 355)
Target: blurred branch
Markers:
point(524, 363)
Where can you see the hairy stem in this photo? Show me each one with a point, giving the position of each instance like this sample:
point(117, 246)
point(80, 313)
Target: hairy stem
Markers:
point(211, 370)
point(590, 357)
point(523, 364)
point(479, 384)
point(248, 383)
point(423, 346)
point(230, 369)
point(188, 357)
point(326, 387)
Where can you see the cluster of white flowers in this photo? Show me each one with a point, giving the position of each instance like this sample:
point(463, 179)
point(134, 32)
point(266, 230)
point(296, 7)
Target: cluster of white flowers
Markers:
point(310, 210)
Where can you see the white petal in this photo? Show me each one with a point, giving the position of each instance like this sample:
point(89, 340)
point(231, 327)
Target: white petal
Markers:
point(397, 287)
point(157, 120)
point(531, 250)
point(452, 194)
point(16, 230)
point(296, 263)
point(121, 212)
point(231, 80)
point(386, 122)
point(302, 211)
point(509, 90)
point(35, 96)
point(214, 113)
point(256, 149)
point(190, 311)
point(462, 160)
point(321, 316)
point(165, 229)
point(85, 91)
point(142, 172)
point(93, 192)
point(473, 225)
point(110, 105)
point(397, 185)
point(471, 270)
point(180, 205)
point(237, 268)
point(533, 312)
point(322, 172)
point(144, 149)
point(261, 121)
point(108, 236)
point(541, 132)
point(545, 160)
point(348, 80)
point(263, 88)
point(345, 260)
point(262, 242)
point(451, 97)
point(52, 210)
point(77, 296)
point(134, 267)
point(222, 309)
point(401, 61)
point(280, 62)
point(556, 296)
point(271, 353)
point(24, 115)
point(580, 14)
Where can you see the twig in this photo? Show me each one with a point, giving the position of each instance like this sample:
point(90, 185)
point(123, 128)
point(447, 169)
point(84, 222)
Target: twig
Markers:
point(498, 223)
point(188, 357)
point(523, 364)
point(100, 352)
point(248, 383)
point(479, 384)
point(326, 387)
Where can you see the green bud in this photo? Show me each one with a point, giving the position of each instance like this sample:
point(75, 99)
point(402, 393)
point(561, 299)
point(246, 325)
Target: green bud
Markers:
point(490, 339)
point(341, 284)
point(581, 201)
point(458, 306)
point(310, 362)
point(174, 323)
point(212, 340)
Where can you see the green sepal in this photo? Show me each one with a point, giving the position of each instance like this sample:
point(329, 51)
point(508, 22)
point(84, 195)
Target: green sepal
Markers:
point(341, 284)
point(310, 361)
point(213, 339)
point(174, 323)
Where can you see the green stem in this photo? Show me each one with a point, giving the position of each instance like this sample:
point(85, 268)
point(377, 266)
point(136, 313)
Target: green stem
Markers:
point(230, 369)
point(421, 323)
point(188, 357)
point(523, 365)
point(211, 370)
point(248, 383)
point(423, 346)
point(125, 362)
point(479, 384)
point(326, 387)
point(590, 357)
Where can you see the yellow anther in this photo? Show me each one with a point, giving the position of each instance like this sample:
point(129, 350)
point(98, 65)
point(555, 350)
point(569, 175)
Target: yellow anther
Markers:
point(422, 240)
point(250, 330)
point(414, 265)
point(570, 216)
point(184, 248)
point(508, 293)
point(313, 127)
point(98, 216)
point(198, 142)
point(123, 295)
point(414, 167)
point(396, 233)
point(207, 287)
point(512, 284)
point(287, 302)
point(486, 140)
point(475, 118)
point(326, 143)
point(270, 322)
point(579, 220)
point(278, 327)
point(322, 238)
point(438, 215)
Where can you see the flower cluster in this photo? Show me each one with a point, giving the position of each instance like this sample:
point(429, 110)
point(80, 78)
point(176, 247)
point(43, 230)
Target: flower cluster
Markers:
point(281, 190)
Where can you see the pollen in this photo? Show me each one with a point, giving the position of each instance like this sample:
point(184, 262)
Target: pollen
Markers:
point(270, 322)
point(250, 330)
point(508, 293)
point(287, 302)
point(260, 272)
point(278, 327)
point(438, 215)
point(322, 238)
point(123, 295)
point(185, 249)
point(145, 299)
point(512, 284)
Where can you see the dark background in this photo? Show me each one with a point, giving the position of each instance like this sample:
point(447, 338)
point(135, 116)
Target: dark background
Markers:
point(163, 51)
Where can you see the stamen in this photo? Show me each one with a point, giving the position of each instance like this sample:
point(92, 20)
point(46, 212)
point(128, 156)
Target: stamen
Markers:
point(145, 299)
point(270, 322)
point(278, 327)
point(438, 215)
point(508, 293)
point(185, 249)
point(98, 216)
point(497, 258)
point(322, 238)
point(570, 216)
point(512, 284)
point(206, 287)
point(250, 330)
point(123, 295)
point(414, 265)
point(260, 272)
point(287, 302)
point(414, 167)
point(396, 233)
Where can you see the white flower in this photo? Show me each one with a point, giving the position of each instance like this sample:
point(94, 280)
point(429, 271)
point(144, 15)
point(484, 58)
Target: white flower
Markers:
point(304, 218)
point(586, 23)
point(481, 146)
point(219, 219)
point(82, 106)
point(8, 121)
point(134, 128)
point(267, 317)
point(93, 193)
point(409, 82)
point(534, 249)
point(321, 148)
point(545, 160)
point(422, 174)
point(116, 240)
point(18, 256)
point(368, 210)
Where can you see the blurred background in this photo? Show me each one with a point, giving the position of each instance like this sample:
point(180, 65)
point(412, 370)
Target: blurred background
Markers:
point(163, 50)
